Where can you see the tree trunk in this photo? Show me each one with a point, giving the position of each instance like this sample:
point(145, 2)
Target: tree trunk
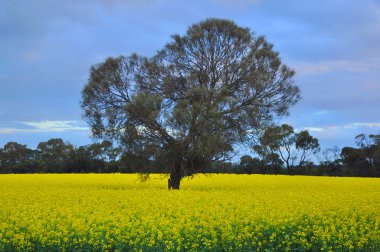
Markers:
point(175, 177)
point(289, 169)
point(174, 182)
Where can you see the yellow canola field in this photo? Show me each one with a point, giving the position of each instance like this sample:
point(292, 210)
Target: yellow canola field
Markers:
point(117, 212)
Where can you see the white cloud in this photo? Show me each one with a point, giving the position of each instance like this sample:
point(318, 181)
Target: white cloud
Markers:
point(356, 125)
point(337, 65)
point(46, 126)
point(314, 129)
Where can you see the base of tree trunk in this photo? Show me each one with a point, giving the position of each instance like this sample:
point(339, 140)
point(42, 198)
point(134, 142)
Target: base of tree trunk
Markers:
point(174, 182)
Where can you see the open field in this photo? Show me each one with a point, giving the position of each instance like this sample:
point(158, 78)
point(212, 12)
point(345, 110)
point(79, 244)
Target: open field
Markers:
point(215, 212)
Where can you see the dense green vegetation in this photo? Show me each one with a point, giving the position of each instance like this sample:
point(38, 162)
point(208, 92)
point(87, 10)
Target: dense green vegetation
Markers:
point(57, 156)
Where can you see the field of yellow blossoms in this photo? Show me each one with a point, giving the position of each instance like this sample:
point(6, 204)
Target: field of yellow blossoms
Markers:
point(118, 212)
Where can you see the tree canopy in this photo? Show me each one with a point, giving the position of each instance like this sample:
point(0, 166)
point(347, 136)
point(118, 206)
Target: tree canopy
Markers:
point(294, 149)
point(191, 103)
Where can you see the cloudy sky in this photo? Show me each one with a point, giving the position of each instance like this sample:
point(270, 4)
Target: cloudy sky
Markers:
point(47, 48)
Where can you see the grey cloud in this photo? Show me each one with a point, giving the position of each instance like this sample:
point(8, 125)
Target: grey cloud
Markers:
point(322, 30)
point(47, 48)
point(350, 66)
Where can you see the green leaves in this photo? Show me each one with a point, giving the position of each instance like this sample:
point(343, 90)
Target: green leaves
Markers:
point(292, 147)
point(203, 93)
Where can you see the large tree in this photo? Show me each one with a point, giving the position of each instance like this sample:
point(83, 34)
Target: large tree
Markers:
point(191, 103)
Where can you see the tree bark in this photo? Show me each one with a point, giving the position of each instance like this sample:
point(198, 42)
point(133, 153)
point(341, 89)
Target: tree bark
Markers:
point(174, 182)
point(175, 177)
point(289, 168)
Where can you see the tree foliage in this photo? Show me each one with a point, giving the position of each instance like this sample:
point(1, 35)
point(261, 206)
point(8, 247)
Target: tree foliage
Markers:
point(294, 149)
point(99, 158)
point(364, 160)
point(187, 106)
point(330, 162)
point(54, 152)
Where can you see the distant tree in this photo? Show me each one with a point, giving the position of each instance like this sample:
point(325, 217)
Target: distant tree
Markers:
point(355, 162)
point(376, 153)
point(190, 104)
point(273, 163)
point(55, 154)
point(278, 139)
point(222, 166)
point(377, 162)
point(368, 144)
point(246, 163)
point(293, 148)
point(307, 166)
point(143, 162)
point(330, 162)
point(306, 145)
point(81, 160)
point(364, 160)
point(13, 155)
point(106, 153)
point(2, 160)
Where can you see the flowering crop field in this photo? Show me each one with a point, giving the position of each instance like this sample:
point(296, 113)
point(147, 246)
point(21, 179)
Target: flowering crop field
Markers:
point(118, 212)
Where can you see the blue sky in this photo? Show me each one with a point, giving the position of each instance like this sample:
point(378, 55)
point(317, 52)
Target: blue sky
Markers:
point(47, 48)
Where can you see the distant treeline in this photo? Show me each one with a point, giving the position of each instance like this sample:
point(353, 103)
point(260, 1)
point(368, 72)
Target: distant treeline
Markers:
point(58, 156)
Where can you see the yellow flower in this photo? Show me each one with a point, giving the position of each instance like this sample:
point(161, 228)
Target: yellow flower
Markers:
point(113, 212)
